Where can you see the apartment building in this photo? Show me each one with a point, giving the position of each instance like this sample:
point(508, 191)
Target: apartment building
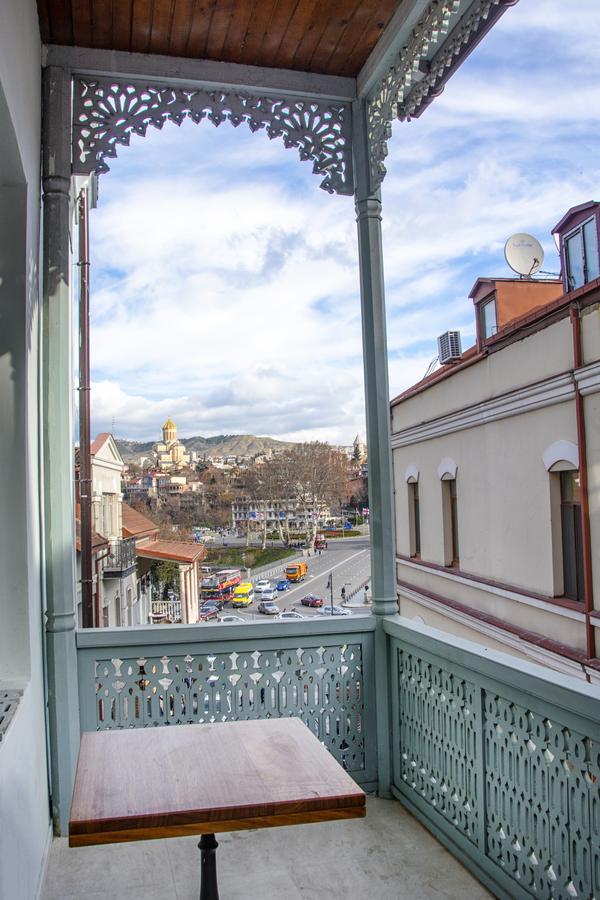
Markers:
point(496, 462)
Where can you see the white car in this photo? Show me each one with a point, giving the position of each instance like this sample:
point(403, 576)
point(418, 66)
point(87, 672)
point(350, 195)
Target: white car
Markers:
point(268, 594)
point(236, 620)
point(290, 614)
point(329, 610)
point(262, 586)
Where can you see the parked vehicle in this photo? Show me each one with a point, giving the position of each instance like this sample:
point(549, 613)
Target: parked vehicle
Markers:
point(231, 620)
point(209, 611)
point(290, 614)
point(268, 608)
point(334, 611)
point(296, 571)
point(312, 600)
point(282, 585)
point(243, 595)
point(263, 585)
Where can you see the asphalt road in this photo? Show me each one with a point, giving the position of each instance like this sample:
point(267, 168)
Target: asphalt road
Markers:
point(346, 559)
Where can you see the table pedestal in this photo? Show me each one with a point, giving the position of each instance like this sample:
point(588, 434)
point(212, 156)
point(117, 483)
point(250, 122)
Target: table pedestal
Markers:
point(208, 867)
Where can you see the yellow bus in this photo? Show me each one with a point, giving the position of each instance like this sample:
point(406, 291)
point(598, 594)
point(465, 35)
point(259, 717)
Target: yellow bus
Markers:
point(243, 594)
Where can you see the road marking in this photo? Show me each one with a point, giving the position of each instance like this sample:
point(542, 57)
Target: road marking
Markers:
point(344, 562)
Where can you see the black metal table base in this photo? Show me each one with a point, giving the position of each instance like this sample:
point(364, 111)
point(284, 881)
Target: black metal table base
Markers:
point(208, 867)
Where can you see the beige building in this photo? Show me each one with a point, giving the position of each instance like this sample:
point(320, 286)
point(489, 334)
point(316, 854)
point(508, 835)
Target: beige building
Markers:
point(496, 460)
point(170, 453)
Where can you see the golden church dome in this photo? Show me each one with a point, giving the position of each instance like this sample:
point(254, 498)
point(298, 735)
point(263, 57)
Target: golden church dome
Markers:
point(169, 424)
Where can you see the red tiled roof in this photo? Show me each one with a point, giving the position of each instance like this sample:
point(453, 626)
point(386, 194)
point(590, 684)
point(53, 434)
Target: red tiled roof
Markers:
point(99, 442)
point(136, 524)
point(180, 551)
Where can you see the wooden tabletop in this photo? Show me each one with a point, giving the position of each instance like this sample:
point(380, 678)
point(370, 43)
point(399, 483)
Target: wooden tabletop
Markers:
point(141, 783)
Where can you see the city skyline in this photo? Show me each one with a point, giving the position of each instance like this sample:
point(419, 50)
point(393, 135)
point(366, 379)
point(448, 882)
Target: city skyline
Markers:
point(225, 282)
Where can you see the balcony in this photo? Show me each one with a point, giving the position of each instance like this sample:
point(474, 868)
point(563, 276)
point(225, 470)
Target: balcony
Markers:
point(121, 560)
point(500, 762)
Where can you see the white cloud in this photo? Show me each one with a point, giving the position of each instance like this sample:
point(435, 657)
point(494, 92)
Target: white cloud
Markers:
point(225, 289)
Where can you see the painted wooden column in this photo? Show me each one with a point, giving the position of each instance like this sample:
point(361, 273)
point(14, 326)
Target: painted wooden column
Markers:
point(381, 497)
point(57, 446)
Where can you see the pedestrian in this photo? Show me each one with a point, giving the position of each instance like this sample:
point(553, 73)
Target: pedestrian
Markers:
point(343, 593)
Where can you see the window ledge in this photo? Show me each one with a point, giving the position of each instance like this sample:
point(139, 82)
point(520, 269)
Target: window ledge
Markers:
point(9, 701)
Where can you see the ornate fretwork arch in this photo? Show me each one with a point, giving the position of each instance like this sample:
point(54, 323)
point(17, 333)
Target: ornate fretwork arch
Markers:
point(417, 76)
point(106, 112)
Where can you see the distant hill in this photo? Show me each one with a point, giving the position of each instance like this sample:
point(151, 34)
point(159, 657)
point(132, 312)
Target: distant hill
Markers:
point(221, 445)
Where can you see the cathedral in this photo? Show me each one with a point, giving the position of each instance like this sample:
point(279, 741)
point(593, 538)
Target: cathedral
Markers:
point(170, 453)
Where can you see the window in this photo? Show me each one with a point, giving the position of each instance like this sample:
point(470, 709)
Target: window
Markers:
point(581, 255)
point(450, 522)
point(488, 318)
point(414, 519)
point(572, 545)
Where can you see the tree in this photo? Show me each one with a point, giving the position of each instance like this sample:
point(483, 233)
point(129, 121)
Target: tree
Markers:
point(165, 575)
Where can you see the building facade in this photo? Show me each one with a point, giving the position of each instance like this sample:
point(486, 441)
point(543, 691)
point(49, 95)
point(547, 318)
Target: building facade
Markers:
point(170, 453)
point(497, 475)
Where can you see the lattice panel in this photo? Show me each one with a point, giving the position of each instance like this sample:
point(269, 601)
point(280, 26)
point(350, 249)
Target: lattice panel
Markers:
point(438, 723)
point(543, 801)
point(322, 686)
point(107, 112)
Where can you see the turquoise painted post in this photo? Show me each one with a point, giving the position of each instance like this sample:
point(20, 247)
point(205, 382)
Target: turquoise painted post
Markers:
point(381, 505)
point(57, 450)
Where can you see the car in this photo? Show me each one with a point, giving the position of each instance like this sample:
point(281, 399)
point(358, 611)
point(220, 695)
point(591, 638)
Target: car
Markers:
point(268, 608)
point(270, 594)
point(232, 620)
point(209, 611)
point(261, 586)
point(334, 611)
point(311, 600)
point(282, 585)
point(290, 614)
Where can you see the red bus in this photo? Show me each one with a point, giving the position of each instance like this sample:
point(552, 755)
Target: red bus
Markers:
point(220, 585)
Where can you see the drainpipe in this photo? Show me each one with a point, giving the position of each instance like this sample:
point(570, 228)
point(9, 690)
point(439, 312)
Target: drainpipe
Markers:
point(588, 588)
point(85, 465)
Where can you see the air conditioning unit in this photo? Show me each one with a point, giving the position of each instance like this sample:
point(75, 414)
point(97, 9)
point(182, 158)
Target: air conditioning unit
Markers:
point(449, 347)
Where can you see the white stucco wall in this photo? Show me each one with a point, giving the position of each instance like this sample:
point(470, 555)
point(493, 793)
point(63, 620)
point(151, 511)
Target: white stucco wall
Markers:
point(24, 815)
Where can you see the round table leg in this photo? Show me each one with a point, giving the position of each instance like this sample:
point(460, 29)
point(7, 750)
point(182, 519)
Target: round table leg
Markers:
point(208, 867)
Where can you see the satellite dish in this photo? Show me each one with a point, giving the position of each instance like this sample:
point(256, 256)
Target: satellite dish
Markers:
point(524, 254)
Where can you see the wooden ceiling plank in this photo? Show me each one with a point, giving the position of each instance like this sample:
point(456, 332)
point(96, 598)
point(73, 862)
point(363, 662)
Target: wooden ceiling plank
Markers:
point(218, 29)
point(141, 19)
point(81, 13)
point(180, 27)
point(352, 49)
point(280, 20)
point(237, 32)
point(257, 29)
point(44, 19)
point(201, 15)
point(122, 20)
point(303, 32)
point(368, 37)
point(102, 23)
point(329, 40)
point(161, 26)
point(61, 21)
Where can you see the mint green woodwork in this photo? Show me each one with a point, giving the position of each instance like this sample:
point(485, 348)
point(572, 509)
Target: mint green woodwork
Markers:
point(57, 448)
point(501, 760)
point(206, 673)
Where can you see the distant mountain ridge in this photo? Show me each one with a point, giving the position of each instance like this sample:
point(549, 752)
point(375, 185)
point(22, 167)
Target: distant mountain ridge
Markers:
point(220, 445)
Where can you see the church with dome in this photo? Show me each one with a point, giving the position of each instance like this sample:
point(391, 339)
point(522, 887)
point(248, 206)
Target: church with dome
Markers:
point(170, 453)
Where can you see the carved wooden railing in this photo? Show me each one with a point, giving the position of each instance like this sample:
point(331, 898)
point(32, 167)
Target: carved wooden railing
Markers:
point(318, 670)
point(501, 759)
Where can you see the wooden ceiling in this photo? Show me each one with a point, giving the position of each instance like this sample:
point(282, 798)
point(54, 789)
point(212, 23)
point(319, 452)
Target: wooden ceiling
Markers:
point(332, 37)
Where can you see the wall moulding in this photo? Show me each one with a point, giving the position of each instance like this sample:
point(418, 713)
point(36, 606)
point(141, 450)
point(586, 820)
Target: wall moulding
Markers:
point(107, 111)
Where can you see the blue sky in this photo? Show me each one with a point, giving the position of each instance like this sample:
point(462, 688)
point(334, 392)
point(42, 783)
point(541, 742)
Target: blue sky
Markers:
point(225, 282)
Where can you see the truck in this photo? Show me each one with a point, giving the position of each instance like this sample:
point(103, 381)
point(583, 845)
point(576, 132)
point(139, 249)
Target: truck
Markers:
point(320, 542)
point(296, 571)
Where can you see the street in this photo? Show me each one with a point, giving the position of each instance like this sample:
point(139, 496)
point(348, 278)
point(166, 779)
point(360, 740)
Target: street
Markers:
point(346, 559)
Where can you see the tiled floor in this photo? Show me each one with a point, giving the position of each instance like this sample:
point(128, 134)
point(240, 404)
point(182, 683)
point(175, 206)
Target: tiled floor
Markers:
point(387, 856)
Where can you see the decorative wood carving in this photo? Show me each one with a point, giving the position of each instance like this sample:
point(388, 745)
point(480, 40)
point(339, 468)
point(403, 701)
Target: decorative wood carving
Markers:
point(107, 112)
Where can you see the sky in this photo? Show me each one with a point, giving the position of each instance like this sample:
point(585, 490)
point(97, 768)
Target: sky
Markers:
point(225, 287)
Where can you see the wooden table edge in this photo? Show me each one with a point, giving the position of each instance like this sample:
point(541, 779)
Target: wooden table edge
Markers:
point(186, 829)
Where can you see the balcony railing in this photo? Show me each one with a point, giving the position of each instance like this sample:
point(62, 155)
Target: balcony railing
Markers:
point(318, 670)
point(499, 758)
point(121, 557)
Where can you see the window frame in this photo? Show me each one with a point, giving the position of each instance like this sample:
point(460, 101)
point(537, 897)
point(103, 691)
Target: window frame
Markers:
point(578, 230)
point(414, 519)
point(450, 523)
point(485, 303)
